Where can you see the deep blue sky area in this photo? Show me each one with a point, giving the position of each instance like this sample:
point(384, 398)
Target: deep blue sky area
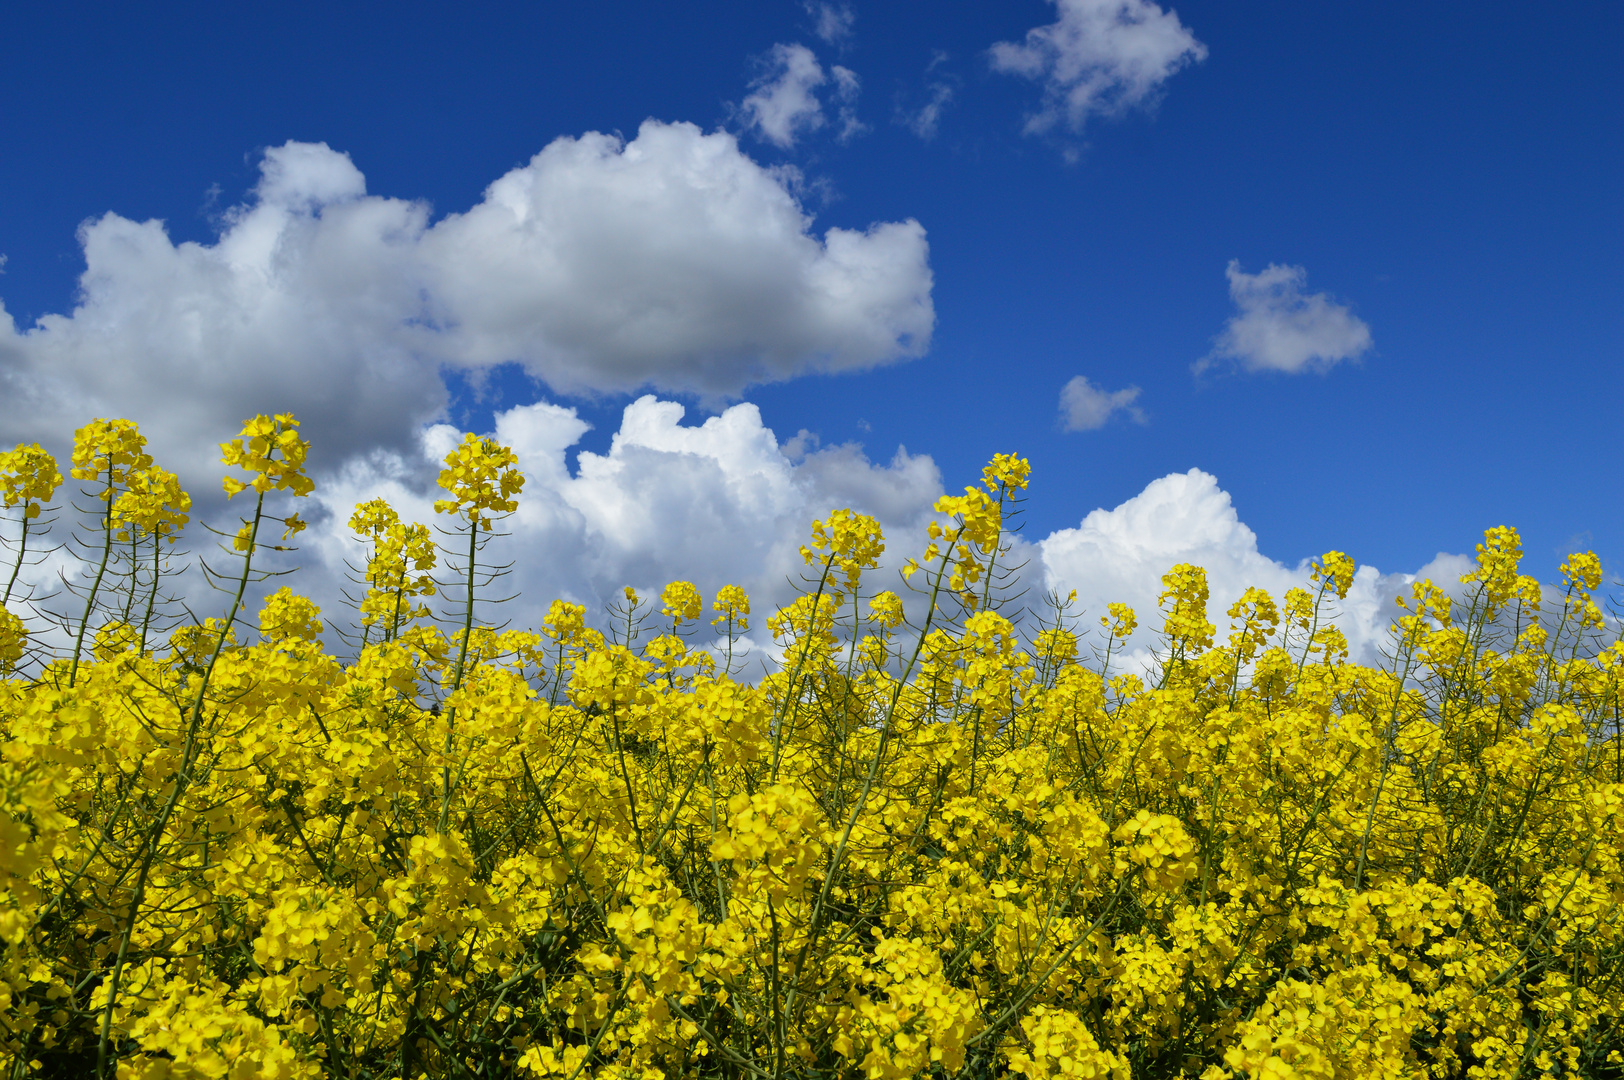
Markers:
point(1452, 174)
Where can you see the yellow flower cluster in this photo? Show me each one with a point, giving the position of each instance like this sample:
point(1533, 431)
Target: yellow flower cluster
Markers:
point(28, 475)
point(680, 601)
point(732, 605)
point(942, 847)
point(13, 639)
point(153, 504)
point(482, 477)
point(398, 568)
point(848, 542)
point(270, 448)
point(110, 448)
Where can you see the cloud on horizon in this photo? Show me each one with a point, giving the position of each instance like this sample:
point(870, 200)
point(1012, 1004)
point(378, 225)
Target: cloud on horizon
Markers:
point(718, 502)
point(1119, 556)
point(725, 501)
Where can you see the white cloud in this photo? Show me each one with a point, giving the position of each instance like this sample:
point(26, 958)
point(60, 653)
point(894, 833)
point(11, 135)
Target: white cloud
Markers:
point(1120, 555)
point(1101, 58)
point(672, 260)
point(1281, 329)
point(940, 88)
point(718, 502)
point(715, 503)
point(831, 22)
point(928, 119)
point(847, 87)
point(723, 501)
point(784, 104)
point(1086, 407)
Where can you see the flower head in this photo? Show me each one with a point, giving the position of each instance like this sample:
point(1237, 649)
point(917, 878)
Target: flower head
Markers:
point(113, 448)
point(1184, 599)
point(153, 504)
point(271, 450)
point(851, 542)
point(28, 475)
point(885, 608)
point(681, 601)
point(286, 614)
point(482, 476)
point(731, 603)
point(1498, 557)
point(13, 640)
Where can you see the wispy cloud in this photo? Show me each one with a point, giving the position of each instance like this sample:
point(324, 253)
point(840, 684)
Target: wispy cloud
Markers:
point(784, 104)
point(1100, 58)
point(940, 86)
point(847, 88)
point(1280, 328)
point(1086, 407)
point(831, 22)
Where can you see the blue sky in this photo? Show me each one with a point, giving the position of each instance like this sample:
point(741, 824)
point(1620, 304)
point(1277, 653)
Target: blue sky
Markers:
point(1446, 177)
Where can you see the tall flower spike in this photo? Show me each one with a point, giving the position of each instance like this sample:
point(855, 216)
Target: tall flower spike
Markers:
point(154, 504)
point(853, 541)
point(732, 603)
point(271, 450)
point(1184, 599)
point(111, 447)
point(681, 601)
point(483, 477)
point(1498, 557)
point(28, 475)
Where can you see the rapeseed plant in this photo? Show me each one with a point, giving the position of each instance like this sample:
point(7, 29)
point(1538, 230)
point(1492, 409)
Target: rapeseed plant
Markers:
point(945, 847)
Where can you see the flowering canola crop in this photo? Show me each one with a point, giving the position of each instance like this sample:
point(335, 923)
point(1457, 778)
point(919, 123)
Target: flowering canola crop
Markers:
point(932, 842)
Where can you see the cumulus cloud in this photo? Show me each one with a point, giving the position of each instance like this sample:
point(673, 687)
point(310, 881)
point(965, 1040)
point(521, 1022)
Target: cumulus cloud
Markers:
point(1278, 328)
point(831, 22)
point(723, 501)
point(1120, 555)
point(671, 260)
point(1100, 58)
point(715, 503)
point(1086, 407)
point(784, 105)
point(676, 261)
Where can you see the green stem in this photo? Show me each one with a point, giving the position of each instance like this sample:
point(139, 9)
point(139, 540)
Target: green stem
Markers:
point(783, 716)
point(135, 553)
point(459, 671)
point(814, 920)
point(22, 549)
point(182, 776)
point(152, 594)
point(101, 571)
point(467, 608)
